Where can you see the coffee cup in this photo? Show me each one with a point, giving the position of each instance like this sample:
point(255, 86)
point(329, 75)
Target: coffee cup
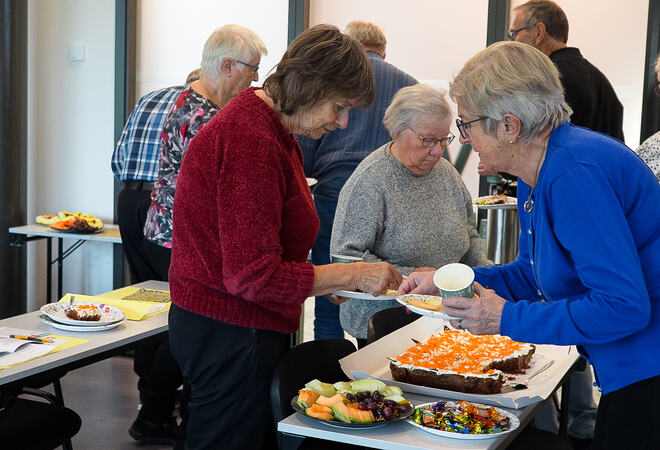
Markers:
point(455, 280)
point(344, 259)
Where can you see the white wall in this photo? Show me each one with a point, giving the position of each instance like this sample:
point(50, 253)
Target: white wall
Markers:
point(429, 39)
point(172, 33)
point(70, 133)
point(612, 36)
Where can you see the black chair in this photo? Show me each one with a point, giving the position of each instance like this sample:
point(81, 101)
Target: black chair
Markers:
point(304, 362)
point(388, 320)
point(30, 424)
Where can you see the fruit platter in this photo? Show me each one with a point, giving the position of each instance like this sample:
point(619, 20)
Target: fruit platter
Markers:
point(362, 403)
point(463, 420)
point(69, 222)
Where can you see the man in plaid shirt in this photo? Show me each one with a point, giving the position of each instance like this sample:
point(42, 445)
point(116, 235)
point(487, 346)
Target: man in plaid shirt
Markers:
point(135, 164)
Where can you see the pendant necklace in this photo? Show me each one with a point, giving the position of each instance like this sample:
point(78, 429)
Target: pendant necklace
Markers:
point(528, 206)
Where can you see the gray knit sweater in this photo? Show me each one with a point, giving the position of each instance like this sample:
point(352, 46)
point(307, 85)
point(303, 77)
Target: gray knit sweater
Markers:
point(387, 213)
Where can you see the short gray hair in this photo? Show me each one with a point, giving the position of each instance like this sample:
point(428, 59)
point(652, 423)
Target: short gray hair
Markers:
point(512, 78)
point(411, 102)
point(231, 41)
point(367, 34)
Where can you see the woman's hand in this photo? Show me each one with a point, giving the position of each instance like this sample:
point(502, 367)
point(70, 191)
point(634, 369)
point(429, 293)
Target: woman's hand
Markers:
point(480, 315)
point(336, 299)
point(375, 278)
point(419, 283)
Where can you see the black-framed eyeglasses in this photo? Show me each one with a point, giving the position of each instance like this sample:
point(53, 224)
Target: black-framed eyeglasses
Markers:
point(430, 142)
point(463, 127)
point(255, 69)
point(511, 35)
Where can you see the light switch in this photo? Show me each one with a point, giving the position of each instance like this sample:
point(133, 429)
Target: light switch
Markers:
point(77, 52)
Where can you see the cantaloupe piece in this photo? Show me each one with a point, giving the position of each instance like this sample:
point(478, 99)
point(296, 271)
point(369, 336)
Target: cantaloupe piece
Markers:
point(359, 416)
point(341, 412)
point(320, 412)
point(330, 401)
point(307, 397)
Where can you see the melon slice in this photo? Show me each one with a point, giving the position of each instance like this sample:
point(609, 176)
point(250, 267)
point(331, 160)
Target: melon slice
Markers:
point(321, 388)
point(330, 401)
point(319, 412)
point(359, 416)
point(341, 412)
point(307, 397)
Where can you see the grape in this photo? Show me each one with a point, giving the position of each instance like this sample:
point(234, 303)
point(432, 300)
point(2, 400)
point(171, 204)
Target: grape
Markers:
point(362, 406)
point(403, 408)
point(368, 400)
point(359, 396)
point(372, 406)
point(387, 413)
point(350, 397)
point(389, 403)
point(375, 394)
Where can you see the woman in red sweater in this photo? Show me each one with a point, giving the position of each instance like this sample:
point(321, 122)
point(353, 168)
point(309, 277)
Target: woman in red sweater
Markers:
point(244, 223)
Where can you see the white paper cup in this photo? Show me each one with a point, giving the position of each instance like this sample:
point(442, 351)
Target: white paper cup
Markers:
point(343, 259)
point(455, 280)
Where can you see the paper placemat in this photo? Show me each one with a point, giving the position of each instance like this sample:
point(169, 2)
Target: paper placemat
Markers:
point(30, 352)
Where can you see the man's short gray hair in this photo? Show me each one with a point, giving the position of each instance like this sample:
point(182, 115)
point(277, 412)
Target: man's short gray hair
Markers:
point(368, 34)
point(411, 102)
point(231, 41)
point(512, 78)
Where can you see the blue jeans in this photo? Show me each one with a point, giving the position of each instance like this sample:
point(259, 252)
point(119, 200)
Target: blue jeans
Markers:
point(326, 313)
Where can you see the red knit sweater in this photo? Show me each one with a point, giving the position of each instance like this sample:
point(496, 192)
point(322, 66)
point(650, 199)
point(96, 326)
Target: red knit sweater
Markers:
point(244, 221)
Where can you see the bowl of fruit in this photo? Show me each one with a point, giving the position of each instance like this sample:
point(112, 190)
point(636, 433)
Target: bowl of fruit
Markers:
point(362, 403)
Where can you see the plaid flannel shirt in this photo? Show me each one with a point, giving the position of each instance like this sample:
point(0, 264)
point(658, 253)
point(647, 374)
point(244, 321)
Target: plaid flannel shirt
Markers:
point(136, 154)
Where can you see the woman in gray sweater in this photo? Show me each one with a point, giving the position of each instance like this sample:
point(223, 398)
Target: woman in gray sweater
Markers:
point(404, 203)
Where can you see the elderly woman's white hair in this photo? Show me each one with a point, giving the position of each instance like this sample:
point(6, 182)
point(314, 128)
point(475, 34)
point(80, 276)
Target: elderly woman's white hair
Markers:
point(230, 41)
point(411, 102)
point(512, 78)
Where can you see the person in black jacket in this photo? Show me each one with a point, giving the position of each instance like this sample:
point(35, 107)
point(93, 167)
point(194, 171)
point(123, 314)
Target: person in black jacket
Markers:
point(588, 92)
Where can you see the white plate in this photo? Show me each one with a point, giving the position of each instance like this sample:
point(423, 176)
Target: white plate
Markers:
point(403, 299)
point(57, 313)
point(514, 422)
point(65, 327)
point(311, 181)
point(363, 295)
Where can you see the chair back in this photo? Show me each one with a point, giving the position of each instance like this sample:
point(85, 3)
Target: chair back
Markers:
point(304, 362)
point(388, 320)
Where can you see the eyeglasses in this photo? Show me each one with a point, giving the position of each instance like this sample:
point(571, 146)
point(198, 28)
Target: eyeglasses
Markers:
point(511, 35)
point(430, 142)
point(463, 127)
point(255, 69)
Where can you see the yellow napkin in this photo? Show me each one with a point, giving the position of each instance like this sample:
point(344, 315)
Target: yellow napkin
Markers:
point(134, 309)
point(70, 342)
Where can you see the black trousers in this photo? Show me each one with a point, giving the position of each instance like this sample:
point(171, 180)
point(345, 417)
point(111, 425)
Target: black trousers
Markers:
point(627, 418)
point(229, 369)
point(146, 261)
point(159, 374)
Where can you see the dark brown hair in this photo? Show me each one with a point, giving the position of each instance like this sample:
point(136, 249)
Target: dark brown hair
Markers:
point(321, 63)
point(548, 13)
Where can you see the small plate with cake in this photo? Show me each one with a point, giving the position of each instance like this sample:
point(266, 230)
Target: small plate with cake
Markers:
point(425, 305)
point(83, 314)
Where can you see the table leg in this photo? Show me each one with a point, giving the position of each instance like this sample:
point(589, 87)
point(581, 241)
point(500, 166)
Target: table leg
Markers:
point(49, 270)
point(60, 266)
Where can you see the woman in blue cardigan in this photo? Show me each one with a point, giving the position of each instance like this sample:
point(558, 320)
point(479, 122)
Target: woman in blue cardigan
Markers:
point(588, 268)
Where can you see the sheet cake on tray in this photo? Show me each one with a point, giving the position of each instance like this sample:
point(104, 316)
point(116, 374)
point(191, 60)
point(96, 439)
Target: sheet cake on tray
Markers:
point(372, 361)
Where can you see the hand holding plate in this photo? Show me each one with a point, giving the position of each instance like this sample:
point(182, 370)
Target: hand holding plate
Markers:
point(376, 278)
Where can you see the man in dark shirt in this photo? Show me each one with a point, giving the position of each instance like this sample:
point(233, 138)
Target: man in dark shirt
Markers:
point(332, 158)
point(588, 92)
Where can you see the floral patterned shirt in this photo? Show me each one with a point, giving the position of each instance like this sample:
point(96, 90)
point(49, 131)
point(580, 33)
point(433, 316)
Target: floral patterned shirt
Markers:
point(649, 151)
point(187, 116)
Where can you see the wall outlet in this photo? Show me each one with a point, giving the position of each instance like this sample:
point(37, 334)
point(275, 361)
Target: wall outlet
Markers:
point(77, 52)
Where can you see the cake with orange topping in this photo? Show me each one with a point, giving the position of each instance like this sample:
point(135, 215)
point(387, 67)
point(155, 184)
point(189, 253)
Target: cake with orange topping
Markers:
point(88, 313)
point(462, 361)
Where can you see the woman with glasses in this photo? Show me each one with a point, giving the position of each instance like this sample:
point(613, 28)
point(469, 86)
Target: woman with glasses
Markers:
point(406, 204)
point(649, 150)
point(244, 223)
point(588, 268)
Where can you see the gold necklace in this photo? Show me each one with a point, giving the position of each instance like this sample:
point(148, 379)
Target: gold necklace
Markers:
point(528, 206)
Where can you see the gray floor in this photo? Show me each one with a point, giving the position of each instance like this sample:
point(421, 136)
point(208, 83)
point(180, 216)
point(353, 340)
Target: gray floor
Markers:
point(105, 396)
